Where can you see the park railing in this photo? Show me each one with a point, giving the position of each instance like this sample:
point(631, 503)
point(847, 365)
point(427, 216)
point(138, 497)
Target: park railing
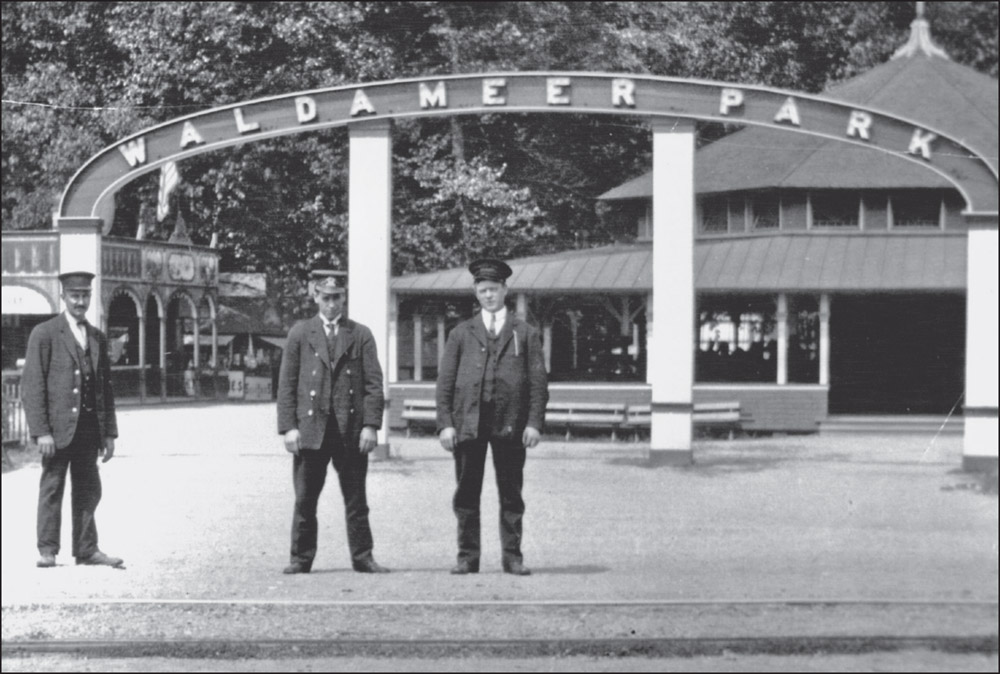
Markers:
point(15, 427)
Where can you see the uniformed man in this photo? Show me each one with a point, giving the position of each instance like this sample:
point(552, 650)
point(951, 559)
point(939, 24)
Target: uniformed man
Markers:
point(492, 389)
point(70, 409)
point(330, 403)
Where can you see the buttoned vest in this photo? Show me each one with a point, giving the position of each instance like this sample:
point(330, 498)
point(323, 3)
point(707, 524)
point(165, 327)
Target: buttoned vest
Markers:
point(489, 372)
point(88, 384)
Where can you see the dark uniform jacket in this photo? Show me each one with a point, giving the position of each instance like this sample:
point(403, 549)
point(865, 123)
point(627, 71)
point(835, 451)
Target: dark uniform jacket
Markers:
point(521, 383)
point(51, 384)
point(311, 383)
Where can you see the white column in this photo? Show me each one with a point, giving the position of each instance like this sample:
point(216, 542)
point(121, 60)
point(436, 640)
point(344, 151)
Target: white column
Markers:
point(197, 351)
point(671, 352)
point(649, 337)
point(392, 357)
point(80, 250)
point(162, 313)
point(782, 320)
point(547, 345)
point(215, 341)
point(142, 354)
point(522, 306)
point(369, 228)
point(442, 339)
point(979, 450)
point(418, 347)
point(824, 339)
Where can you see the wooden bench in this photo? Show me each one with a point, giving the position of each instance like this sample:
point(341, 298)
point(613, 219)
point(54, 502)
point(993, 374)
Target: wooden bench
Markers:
point(561, 415)
point(419, 411)
point(725, 415)
point(566, 414)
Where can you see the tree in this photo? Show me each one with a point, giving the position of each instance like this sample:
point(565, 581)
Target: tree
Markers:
point(77, 76)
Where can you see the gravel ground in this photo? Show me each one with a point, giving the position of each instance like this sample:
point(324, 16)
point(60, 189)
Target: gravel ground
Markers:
point(198, 501)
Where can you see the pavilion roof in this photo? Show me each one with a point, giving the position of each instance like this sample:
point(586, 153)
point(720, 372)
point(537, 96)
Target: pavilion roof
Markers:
point(793, 261)
point(920, 83)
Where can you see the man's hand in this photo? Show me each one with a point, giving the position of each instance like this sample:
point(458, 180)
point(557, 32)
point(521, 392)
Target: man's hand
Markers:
point(447, 438)
point(292, 441)
point(369, 438)
point(108, 450)
point(47, 446)
point(531, 436)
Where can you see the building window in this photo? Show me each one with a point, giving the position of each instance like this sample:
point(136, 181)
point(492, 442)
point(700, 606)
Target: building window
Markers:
point(645, 224)
point(714, 215)
point(915, 209)
point(803, 339)
point(589, 341)
point(834, 209)
point(430, 312)
point(736, 340)
point(765, 212)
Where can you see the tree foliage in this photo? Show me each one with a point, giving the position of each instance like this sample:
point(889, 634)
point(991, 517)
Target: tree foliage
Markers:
point(77, 76)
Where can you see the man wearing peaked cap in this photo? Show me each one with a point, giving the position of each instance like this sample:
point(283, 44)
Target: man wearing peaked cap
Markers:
point(328, 281)
point(490, 269)
point(70, 408)
point(492, 390)
point(330, 404)
point(74, 280)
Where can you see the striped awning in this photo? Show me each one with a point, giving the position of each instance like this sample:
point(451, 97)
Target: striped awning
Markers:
point(805, 261)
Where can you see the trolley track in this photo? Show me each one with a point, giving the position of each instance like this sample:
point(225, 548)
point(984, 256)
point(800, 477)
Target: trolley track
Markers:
point(183, 628)
point(437, 648)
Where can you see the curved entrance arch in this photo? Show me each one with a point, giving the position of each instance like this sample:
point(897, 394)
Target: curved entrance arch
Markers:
point(90, 192)
point(673, 105)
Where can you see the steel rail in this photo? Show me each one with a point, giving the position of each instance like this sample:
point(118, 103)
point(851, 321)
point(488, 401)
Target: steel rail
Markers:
point(667, 646)
point(799, 601)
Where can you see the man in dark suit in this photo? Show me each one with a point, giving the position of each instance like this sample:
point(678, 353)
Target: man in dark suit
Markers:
point(70, 409)
point(492, 389)
point(330, 403)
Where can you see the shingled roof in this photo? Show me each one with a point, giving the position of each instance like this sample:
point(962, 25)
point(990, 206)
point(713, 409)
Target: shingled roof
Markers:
point(919, 83)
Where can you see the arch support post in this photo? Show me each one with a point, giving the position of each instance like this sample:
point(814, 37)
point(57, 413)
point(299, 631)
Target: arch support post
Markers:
point(369, 227)
point(979, 451)
point(80, 250)
point(671, 346)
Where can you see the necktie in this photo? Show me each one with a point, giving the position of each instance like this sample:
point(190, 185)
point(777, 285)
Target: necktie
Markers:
point(493, 324)
point(81, 333)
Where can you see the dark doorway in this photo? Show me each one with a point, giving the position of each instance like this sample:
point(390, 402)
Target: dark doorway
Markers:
point(897, 354)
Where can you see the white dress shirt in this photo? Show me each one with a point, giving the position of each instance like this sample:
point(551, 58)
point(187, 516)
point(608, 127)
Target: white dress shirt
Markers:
point(501, 319)
point(79, 331)
point(333, 325)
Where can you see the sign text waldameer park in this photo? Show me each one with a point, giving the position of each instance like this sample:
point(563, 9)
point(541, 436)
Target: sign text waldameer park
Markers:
point(94, 185)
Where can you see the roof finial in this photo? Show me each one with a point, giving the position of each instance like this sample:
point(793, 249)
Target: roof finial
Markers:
point(920, 39)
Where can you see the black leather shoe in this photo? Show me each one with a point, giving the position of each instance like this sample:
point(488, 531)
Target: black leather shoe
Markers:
point(516, 568)
point(464, 567)
point(46, 561)
point(297, 567)
point(369, 566)
point(100, 559)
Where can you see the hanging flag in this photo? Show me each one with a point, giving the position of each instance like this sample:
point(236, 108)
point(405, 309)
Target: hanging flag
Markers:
point(169, 177)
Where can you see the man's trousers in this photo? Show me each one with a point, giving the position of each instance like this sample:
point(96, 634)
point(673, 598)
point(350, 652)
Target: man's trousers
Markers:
point(508, 464)
point(309, 476)
point(80, 458)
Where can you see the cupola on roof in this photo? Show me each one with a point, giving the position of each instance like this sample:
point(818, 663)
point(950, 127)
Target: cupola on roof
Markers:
point(920, 82)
